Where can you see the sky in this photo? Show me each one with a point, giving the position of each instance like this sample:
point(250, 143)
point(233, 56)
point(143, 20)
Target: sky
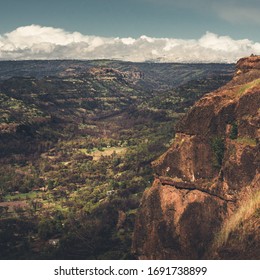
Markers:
point(136, 30)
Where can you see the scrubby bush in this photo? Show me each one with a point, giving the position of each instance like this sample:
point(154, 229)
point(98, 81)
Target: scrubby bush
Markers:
point(218, 147)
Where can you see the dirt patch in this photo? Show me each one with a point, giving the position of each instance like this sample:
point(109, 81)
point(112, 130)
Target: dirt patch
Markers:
point(108, 152)
point(14, 204)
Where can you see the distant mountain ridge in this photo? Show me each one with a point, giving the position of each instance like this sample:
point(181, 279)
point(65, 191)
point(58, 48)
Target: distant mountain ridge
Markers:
point(155, 75)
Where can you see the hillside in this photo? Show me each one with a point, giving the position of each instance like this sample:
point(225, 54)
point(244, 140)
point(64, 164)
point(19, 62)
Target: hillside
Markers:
point(76, 142)
point(204, 202)
point(154, 76)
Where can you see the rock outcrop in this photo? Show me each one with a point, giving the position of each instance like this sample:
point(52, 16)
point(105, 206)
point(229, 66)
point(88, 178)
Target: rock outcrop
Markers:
point(205, 175)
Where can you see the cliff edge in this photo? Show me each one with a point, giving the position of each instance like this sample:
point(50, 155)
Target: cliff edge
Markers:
point(208, 176)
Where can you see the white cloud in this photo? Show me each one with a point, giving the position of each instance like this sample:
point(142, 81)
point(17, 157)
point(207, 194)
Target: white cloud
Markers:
point(37, 42)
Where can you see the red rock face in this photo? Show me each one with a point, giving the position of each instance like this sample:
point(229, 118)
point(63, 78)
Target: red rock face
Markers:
point(186, 159)
point(204, 175)
point(247, 64)
point(176, 223)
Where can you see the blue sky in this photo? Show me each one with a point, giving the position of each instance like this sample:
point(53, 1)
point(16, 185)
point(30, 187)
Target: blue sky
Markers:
point(156, 18)
point(179, 19)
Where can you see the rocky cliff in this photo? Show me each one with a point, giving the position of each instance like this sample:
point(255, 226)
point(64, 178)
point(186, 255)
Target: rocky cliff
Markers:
point(207, 176)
